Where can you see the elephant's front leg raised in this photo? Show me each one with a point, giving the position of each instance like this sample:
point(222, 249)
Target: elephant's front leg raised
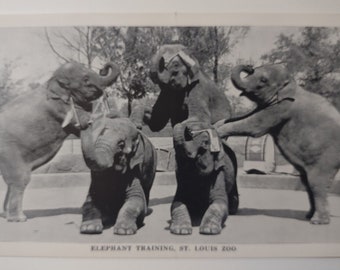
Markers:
point(217, 212)
point(134, 207)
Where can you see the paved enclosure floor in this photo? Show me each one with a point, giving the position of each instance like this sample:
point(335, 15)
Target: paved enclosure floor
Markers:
point(265, 216)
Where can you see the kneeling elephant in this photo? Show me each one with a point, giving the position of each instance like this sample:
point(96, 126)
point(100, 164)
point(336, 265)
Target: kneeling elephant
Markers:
point(123, 165)
point(206, 179)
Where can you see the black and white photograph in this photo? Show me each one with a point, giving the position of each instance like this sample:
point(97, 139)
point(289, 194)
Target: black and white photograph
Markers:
point(170, 141)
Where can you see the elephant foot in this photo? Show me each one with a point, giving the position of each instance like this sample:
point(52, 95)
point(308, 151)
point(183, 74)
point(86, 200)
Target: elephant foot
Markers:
point(94, 226)
point(180, 228)
point(16, 218)
point(210, 228)
point(320, 219)
point(125, 228)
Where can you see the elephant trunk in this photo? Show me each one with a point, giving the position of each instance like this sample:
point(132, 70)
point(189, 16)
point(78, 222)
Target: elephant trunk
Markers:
point(104, 154)
point(158, 72)
point(98, 155)
point(179, 141)
point(108, 74)
point(236, 76)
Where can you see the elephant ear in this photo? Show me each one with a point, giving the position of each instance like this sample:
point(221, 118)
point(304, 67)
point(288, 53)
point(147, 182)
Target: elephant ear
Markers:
point(286, 92)
point(138, 154)
point(87, 146)
point(57, 90)
point(285, 87)
point(220, 158)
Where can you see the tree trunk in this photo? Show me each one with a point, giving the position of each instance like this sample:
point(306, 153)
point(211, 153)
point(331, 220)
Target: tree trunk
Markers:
point(215, 68)
point(129, 105)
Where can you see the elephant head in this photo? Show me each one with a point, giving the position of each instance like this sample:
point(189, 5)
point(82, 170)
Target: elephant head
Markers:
point(199, 144)
point(73, 80)
point(112, 142)
point(262, 84)
point(173, 66)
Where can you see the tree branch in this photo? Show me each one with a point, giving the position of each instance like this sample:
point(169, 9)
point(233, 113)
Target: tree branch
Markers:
point(53, 49)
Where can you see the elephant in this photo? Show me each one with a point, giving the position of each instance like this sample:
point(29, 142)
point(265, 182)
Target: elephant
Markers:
point(123, 164)
point(34, 125)
point(206, 180)
point(305, 127)
point(186, 91)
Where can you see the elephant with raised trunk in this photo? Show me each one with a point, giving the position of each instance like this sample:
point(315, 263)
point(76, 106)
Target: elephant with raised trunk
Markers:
point(34, 125)
point(206, 180)
point(186, 91)
point(123, 165)
point(304, 126)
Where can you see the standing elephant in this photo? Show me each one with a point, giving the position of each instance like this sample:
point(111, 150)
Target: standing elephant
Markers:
point(206, 182)
point(34, 125)
point(304, 126)
point(123, 166)
point(187, 93)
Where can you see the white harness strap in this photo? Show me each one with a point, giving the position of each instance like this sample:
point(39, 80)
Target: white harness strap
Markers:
point(72, 113)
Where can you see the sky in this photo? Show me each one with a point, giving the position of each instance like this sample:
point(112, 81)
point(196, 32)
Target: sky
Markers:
point(35, 61)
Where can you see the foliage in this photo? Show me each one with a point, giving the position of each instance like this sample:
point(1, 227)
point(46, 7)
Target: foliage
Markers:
point(210, 44)
point(8, 86)
point(133, 47)
point(313, 57)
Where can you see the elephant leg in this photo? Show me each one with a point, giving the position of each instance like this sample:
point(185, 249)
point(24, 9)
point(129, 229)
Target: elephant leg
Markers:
point(214, 217)
point(16, 180)
point(13, 204)
point(231, 179)
point(133, 209)
point(180, 218)
point(319, 183)
point(233, 199)
point(92, 218)
point(304, 180)
point(217, 212)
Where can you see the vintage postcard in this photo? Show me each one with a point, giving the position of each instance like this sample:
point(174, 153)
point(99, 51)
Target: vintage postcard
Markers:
point(207, 135)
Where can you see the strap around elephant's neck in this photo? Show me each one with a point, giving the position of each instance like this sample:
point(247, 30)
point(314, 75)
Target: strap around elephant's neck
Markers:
point(71, 114)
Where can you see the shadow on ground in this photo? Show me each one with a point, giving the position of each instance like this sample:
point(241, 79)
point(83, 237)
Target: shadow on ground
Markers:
point(36, 213)
point(280, 213)
point(158, 201)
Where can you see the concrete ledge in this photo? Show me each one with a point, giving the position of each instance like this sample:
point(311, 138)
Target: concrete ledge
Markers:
point(274, 181)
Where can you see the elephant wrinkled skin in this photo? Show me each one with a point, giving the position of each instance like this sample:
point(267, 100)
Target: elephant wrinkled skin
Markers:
point(304, 126)
point(34, 125)
point(123, 166)
point(206, 180)
point(187, 93)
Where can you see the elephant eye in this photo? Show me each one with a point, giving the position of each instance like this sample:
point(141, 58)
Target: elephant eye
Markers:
point(121, 144)
point(86, 80)
point(205, 144)
point(264, 79)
